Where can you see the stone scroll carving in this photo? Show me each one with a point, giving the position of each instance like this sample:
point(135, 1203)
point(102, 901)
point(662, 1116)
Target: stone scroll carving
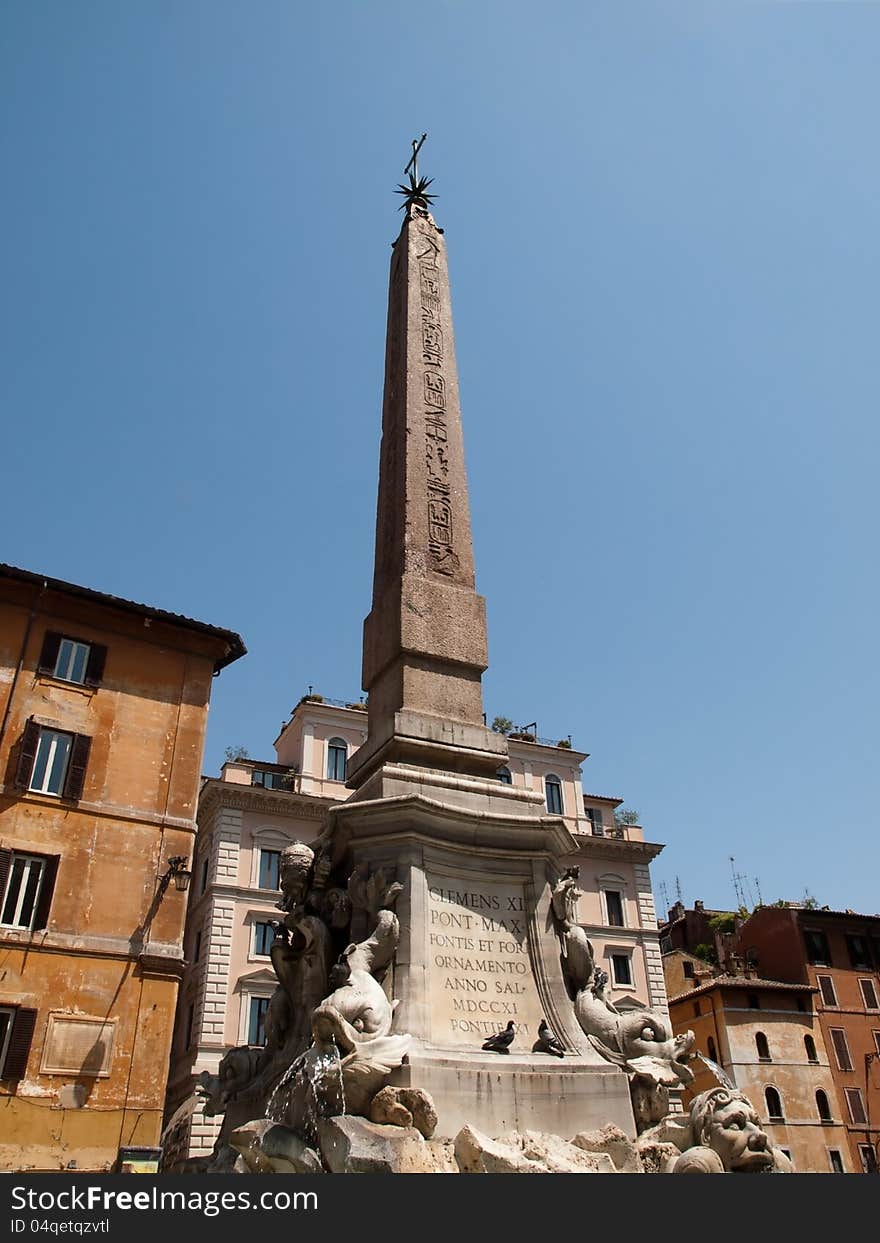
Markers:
point(641, 1041)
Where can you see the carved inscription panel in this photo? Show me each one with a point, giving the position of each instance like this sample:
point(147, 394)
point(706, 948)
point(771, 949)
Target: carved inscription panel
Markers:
point(479, 969)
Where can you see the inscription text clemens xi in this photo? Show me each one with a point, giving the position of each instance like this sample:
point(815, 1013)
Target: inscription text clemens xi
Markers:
point(440, 540)
point(479, 966)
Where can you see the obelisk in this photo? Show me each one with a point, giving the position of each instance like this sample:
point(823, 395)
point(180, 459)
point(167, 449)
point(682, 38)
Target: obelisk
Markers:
point(475, 858)
point(425, 637)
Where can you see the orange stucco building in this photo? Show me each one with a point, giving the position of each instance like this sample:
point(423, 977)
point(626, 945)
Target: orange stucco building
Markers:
point(103, 707)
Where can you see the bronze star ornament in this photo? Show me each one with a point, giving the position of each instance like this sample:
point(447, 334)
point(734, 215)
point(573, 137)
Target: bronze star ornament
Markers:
point(415, 193)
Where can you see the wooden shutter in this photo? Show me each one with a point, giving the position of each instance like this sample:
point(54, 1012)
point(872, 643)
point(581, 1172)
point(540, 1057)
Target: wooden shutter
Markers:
point(49, 652)
point(76, 769)
point(20, 1039)
point(47, 886)
point(27, 755)
point(5, 865)
point(95, 664)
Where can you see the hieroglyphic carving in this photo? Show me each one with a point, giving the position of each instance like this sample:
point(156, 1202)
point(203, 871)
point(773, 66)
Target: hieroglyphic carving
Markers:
point(440, 520)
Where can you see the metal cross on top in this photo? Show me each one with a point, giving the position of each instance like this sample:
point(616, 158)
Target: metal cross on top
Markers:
point(415, 193)
point(414, 162)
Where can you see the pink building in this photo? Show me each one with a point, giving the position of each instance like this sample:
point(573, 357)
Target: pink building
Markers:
point(254, 809)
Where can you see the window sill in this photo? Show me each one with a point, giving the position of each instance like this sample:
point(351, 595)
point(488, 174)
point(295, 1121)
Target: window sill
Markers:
point(79, 688)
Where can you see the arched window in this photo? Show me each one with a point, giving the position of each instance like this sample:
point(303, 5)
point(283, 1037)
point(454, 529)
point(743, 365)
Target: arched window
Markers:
point(504, 776)
point(822, 1105)
point(774, 1105)
point(762, 1047)
point(337, 754)
point(553, 794)
point(710, 1045)
point(810, 1046)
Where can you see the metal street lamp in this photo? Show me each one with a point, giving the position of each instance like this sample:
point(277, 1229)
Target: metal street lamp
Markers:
point(178, 872)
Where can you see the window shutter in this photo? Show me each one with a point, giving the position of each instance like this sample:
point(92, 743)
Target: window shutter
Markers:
point(5, 865)
point(20, 1038)
point(47, 887)
point(49, 652)
point(95, 666)
point(76, 769)
point(27, 755)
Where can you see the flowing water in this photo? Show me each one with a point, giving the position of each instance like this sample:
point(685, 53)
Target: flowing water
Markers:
point(310, 1089)
point(720, 1074)
point(168, 1139)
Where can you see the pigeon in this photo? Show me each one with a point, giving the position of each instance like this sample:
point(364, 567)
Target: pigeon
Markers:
point(547, 1042)
point(501, 1041)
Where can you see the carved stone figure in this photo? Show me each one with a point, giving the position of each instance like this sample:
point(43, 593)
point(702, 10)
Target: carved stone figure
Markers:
point(640, 1042)
point(352, 1049)
point(723, 1135)
point(236, 1070)
point(577, 952)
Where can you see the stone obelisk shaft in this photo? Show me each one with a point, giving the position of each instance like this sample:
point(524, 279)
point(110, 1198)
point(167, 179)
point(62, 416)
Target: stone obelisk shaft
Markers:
point(425, 637)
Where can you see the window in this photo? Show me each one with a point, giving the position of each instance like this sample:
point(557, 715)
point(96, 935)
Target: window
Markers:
point(817, 947)
point(877, 1041)
point(787, 1152)
point(504, 776)
point(774, 1105)
point(337, 754)
point(270, 863)
point(763, 1047)
point(52, 761)
point(698, 1009)
point(26, 884)
point(868, 1157)
point(859, 953)
point(594, 815)
point(72, 660)
point(869, 994)
point(190, 1017)
point(614, 908)
point(269, 781)
point(810, 1046)
point(16, 1033)
point(826, 988)
point(856, 1106)
point(621, 968)
point(753, 1001)
point(713, 1053)
point(824, 1109)
point(841, 1048)
point(264, 935)
point(553, 794)
point(256, 1020)
point(836, 1161)
point(197, 948)
point(688, 969)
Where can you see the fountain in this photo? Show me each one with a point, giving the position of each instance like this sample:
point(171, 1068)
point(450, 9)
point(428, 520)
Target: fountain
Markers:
point(438, 906)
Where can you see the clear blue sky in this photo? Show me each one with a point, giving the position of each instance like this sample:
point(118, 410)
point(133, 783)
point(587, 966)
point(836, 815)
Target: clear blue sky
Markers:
point(665, 258)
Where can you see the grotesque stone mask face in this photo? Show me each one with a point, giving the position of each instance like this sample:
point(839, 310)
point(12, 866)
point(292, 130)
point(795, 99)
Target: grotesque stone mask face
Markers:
point(733, 1131)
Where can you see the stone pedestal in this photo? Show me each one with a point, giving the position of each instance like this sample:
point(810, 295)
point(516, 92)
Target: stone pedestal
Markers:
point(478, 948)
